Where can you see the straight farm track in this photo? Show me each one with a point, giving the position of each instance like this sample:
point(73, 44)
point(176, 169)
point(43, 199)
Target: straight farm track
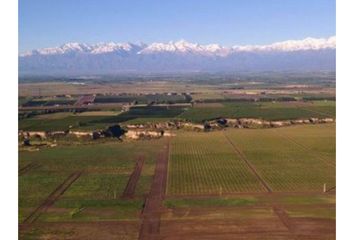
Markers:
point(305, 148)
point(52, 197)
point(150, 226)
point(28, 168)
point(134, 178)
point(206, 163)
point(290, 159)
point(249, 184)
point(252, 168)
point(283, 216)
point(251, 223)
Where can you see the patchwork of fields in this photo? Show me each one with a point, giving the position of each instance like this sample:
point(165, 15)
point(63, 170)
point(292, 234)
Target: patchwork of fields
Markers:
point(106, 169)
point(87, 121)
point(220, 183)
point(101, 119)
point(258, 183)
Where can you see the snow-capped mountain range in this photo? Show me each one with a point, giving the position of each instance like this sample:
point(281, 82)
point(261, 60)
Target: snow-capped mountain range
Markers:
point(309, 54)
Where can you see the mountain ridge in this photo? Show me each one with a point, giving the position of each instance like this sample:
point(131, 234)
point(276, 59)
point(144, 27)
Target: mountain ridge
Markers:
point(306, 54)
point(185, 46)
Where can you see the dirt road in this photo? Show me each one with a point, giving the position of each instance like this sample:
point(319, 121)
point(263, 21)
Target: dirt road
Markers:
point(150, 227)
point(53, 197)
point(251, 167)
point(27, 168)
point(134, 178)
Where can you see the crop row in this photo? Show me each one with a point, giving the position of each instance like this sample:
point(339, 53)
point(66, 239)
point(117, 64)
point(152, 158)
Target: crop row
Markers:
point(284, 164)
point(206, 164)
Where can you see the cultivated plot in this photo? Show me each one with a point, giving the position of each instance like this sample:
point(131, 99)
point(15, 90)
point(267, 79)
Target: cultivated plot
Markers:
point(287, 164)
point(205, 163)
point(96, 194)
point(262, 110)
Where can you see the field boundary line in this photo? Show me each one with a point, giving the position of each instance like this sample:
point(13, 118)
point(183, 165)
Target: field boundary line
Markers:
point(53, 197)
point(238, 194)
point(28, 168)
point(251, 167)
point(168, 168)
point(151, 214)
point(129, 190)
point(318, 112)
point(305, 148)
point(331, 189)
point(283, 217)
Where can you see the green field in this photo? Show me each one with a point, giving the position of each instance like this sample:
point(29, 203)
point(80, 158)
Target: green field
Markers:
point(205, 163)
point(144, 114)
point(209, 202)
point(34, 189)
point(288, 165)
point(319, 139)
point(148, 98)
point(266, 111)
point(87, 121)
point(207, 178)
point(299, 158)
point(48, 102)
point(234, 180)
point(106, 166)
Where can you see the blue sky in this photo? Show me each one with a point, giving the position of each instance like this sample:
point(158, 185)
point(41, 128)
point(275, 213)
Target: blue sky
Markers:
point(48, 23)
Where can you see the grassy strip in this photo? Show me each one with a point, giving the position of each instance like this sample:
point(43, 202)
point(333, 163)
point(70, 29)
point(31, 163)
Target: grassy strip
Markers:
point(182, 203)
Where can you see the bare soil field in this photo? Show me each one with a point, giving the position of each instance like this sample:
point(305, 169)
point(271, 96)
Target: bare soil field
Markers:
point(254, 222)
point(84, 100)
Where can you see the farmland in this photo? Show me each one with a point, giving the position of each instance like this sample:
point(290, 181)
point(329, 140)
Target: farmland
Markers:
point(225, 182)
point(90, 120)
point(238, 216)
point(205, 163)
point(208, 163)
point(148, 98)
point(209, 184)
point(106, 169)
point(95, 120)
point(266, 111)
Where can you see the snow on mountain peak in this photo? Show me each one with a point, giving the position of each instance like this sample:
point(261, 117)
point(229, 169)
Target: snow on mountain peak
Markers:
point(184, 47)
point(292, 45)
point(111, 47)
